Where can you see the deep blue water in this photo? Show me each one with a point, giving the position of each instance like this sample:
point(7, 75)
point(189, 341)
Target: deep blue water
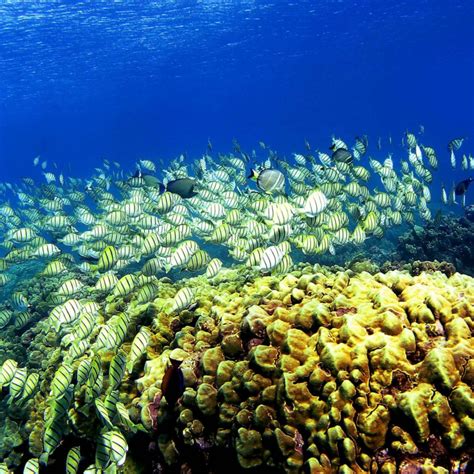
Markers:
point(126, 80)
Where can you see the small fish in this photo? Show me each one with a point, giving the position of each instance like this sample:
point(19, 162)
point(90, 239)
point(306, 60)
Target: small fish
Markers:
point(31, 467)
point(453, 158)
point(456, 143)
point(209, 145)
point(148, 165)
point(36, 160)
point(444, 196)
point(236, 145)
point(172, 385)
point(315, 204)
point(307, 145)
point(73, 459)
point(44, 165)
point(462, 187)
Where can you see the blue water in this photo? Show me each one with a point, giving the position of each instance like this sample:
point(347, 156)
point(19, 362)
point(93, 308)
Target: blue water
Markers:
point(80, 81)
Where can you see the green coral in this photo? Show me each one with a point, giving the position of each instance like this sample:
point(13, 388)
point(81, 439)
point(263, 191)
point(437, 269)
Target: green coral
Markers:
point(317, 370)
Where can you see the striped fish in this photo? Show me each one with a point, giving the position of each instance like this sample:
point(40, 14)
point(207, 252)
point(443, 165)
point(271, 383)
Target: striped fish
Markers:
point(117, 447)
point(4, 469)
point(108, 258)
point(121, 324)
point(19, 301)
point(4, 279)
point(77, 349)
point(358, 235)
point(124, 417)
point(220, 234)
point(309, 245)
point(31, 466)
point(17, 383)
point(51, 438)
point(146, 293)
point(66, 313)
point(198, 261)
point(213, 268)
point(106, 282)
point(411, 140)
point(182, 299)
point(83, 370)
point(110, 403)
point(103, 414)
point(285, 265)
point(117, 370)
point(106, 339)
point(271, 257)
point(5, 317)
point(456, 143)
point(23, 235)
point(30, 386)
point(94, 383)
point(61, 380)
point(279, 213)
point(70, 287)
point(46, 250)
point(138, 347)
point(315, 204)
point(151, 244)
point(59, 406)
point(9, 367)
point(125, 285)
point(54, 268)
point(92, 469)
point(102, 456)
point(73, 460)
point(182, 254)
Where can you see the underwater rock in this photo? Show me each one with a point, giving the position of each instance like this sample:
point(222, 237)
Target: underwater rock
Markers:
point(447, 239)
point(326, 371)
point(469, 212)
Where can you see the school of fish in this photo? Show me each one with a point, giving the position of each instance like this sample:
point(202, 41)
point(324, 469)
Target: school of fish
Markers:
point(117, 235)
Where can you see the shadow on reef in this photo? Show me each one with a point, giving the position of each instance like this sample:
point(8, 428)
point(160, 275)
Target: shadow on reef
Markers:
point(447, 239)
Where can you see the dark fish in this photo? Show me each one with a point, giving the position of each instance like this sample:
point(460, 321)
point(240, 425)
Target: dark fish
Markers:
point(462, 187)
point(172, 385)
point(184, 187)
point(342, 155)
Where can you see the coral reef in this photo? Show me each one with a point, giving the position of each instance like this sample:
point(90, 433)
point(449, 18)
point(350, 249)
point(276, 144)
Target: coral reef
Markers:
point(448, 238)
point(469, 212)
point(314, 371)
